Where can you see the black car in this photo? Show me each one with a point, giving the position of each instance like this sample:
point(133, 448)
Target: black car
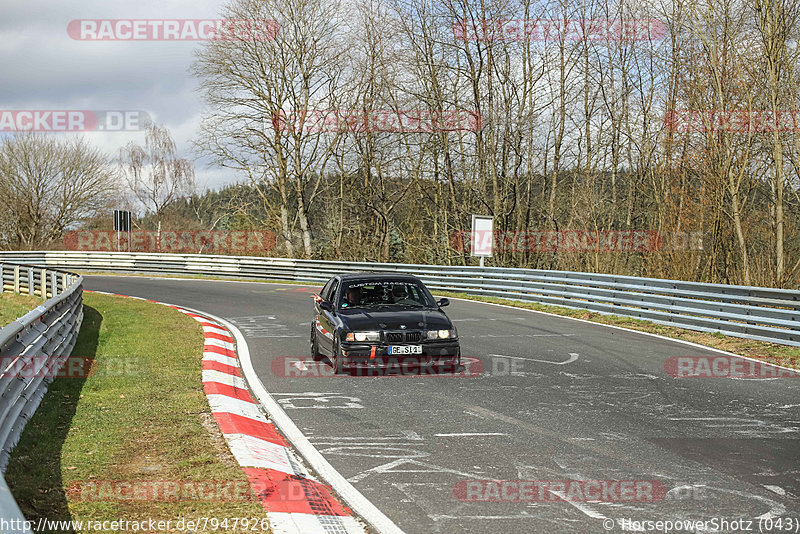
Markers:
point(382, 320)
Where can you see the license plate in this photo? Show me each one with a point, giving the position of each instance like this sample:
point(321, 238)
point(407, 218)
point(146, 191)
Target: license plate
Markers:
point(405, 349)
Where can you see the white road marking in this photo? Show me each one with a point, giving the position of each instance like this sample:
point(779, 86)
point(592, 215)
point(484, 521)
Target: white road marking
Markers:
point(572, 357)
point(750, 427)
point(583, 507)
point(306, 394)
point(438, 517)
point(525, 471)
point(484, 319)
point(406, 435)
point(665, 338)
point(517, 335)
point(368, 444)
point(776, 510)
point(672, 340)
point(465, 434)
point(261, 326)
point(775, 489)
point(351, 496)
point(314, 400)
point(423, 467)
point(377, 450)
point(687, 491)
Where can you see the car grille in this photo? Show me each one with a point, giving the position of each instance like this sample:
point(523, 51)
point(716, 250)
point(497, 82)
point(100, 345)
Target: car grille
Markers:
point(399, 337)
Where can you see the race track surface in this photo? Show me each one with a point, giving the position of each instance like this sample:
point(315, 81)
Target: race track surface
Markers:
point(557, 400)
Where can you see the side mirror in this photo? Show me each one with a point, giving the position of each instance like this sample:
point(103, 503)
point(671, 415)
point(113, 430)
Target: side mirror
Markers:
point(326, 305)
point(443, 302)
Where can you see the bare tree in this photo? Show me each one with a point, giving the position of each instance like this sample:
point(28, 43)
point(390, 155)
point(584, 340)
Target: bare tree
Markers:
point(573, 132)
point(48, 186)
point(155, 173)
point(262, 92)
point(776, 22)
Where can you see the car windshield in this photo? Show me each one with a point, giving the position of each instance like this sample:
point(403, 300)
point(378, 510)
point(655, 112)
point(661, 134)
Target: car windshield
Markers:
point(385, 293)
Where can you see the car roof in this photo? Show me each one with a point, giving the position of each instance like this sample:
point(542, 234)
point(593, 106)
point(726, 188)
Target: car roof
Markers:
point(377, 276)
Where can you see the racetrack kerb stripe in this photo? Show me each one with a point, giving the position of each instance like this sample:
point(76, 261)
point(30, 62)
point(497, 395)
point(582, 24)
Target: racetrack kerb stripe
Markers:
point(295, 503)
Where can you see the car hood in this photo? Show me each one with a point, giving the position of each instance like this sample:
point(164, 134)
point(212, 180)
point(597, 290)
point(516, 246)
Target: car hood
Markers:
point(376, 319)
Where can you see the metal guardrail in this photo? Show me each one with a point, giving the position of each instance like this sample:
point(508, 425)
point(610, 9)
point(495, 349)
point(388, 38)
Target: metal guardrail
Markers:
point(32, 280)
point(759, 313)
point(32, 349)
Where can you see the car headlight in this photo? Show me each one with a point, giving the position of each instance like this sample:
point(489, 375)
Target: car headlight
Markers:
point(363, 336)
point(441, 334)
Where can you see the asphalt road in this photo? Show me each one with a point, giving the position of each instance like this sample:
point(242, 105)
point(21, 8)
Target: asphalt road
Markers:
point(557, 400)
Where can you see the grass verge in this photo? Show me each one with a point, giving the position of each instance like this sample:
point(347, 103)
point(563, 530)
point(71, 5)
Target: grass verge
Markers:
point(13, 306)
point(141, 416)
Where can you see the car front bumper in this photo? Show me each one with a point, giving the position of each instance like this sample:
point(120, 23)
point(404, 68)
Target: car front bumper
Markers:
point(437, 353)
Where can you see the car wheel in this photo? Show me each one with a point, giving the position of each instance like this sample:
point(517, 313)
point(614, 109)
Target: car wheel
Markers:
point(315, 354)
point(337, 358)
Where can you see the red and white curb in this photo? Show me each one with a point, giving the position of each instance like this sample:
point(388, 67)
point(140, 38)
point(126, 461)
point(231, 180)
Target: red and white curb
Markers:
point(295, 501)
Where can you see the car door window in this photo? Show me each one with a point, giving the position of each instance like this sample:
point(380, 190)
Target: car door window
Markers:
point(332, 291)
point(326, 290)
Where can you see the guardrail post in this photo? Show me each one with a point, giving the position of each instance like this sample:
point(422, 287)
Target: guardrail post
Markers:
point(31, 280)
point(2, 283)
point(52, 329)
point(765, 314)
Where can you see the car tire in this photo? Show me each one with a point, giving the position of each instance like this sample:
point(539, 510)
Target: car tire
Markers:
point(315, 353)
point(337, 359)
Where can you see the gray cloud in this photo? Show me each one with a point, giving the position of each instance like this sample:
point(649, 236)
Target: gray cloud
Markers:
point(43, 68)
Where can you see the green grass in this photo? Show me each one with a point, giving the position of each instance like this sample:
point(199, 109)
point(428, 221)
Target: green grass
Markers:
point(141, 416)
point(14, 306)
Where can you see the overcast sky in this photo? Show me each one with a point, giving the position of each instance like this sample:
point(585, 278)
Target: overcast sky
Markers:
point(43, 68)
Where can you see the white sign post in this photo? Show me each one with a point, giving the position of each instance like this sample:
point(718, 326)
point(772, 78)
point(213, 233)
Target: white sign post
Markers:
point(482, 236)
